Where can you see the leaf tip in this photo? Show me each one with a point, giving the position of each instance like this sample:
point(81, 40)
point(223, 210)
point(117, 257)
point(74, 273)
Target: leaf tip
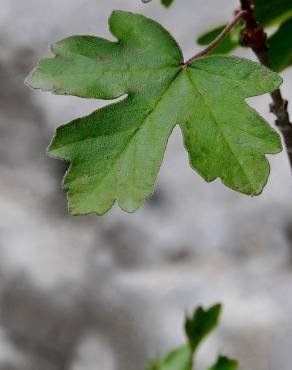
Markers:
point(225, 363)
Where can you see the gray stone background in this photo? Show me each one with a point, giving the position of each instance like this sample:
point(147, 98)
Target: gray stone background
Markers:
point(109, 292)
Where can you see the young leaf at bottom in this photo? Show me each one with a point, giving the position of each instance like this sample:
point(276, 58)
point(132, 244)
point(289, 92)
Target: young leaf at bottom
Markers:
point(198, 327)
point(179, 359)
point(115, 152)
point(201, 324)
point(225, 363)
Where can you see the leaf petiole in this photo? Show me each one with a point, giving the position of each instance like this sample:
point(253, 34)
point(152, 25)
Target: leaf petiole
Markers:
point(241, 14)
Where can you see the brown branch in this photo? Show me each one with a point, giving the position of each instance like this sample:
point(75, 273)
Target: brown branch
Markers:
point(254, 36)
point(241, 14)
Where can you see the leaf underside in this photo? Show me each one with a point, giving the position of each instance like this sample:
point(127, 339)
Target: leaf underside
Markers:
point(115, 152)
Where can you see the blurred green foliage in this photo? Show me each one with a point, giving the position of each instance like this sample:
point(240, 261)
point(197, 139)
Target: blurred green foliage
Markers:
point(268, 13)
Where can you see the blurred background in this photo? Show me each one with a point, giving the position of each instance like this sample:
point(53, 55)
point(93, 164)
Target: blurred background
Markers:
point(84, 293)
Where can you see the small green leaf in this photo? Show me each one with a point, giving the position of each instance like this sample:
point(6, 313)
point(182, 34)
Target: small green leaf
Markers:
point(209, 36)
point(166, 2)
point(179, 359)
point(280, 47)
point(115, 152)
point(224, 363)
point(201, 324)
point(229, 43)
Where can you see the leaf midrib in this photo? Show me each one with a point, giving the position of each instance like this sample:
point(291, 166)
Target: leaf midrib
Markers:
point(158, 69)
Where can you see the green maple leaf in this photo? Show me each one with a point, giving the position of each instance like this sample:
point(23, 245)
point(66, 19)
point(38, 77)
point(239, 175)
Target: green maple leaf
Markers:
point(115, 152)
